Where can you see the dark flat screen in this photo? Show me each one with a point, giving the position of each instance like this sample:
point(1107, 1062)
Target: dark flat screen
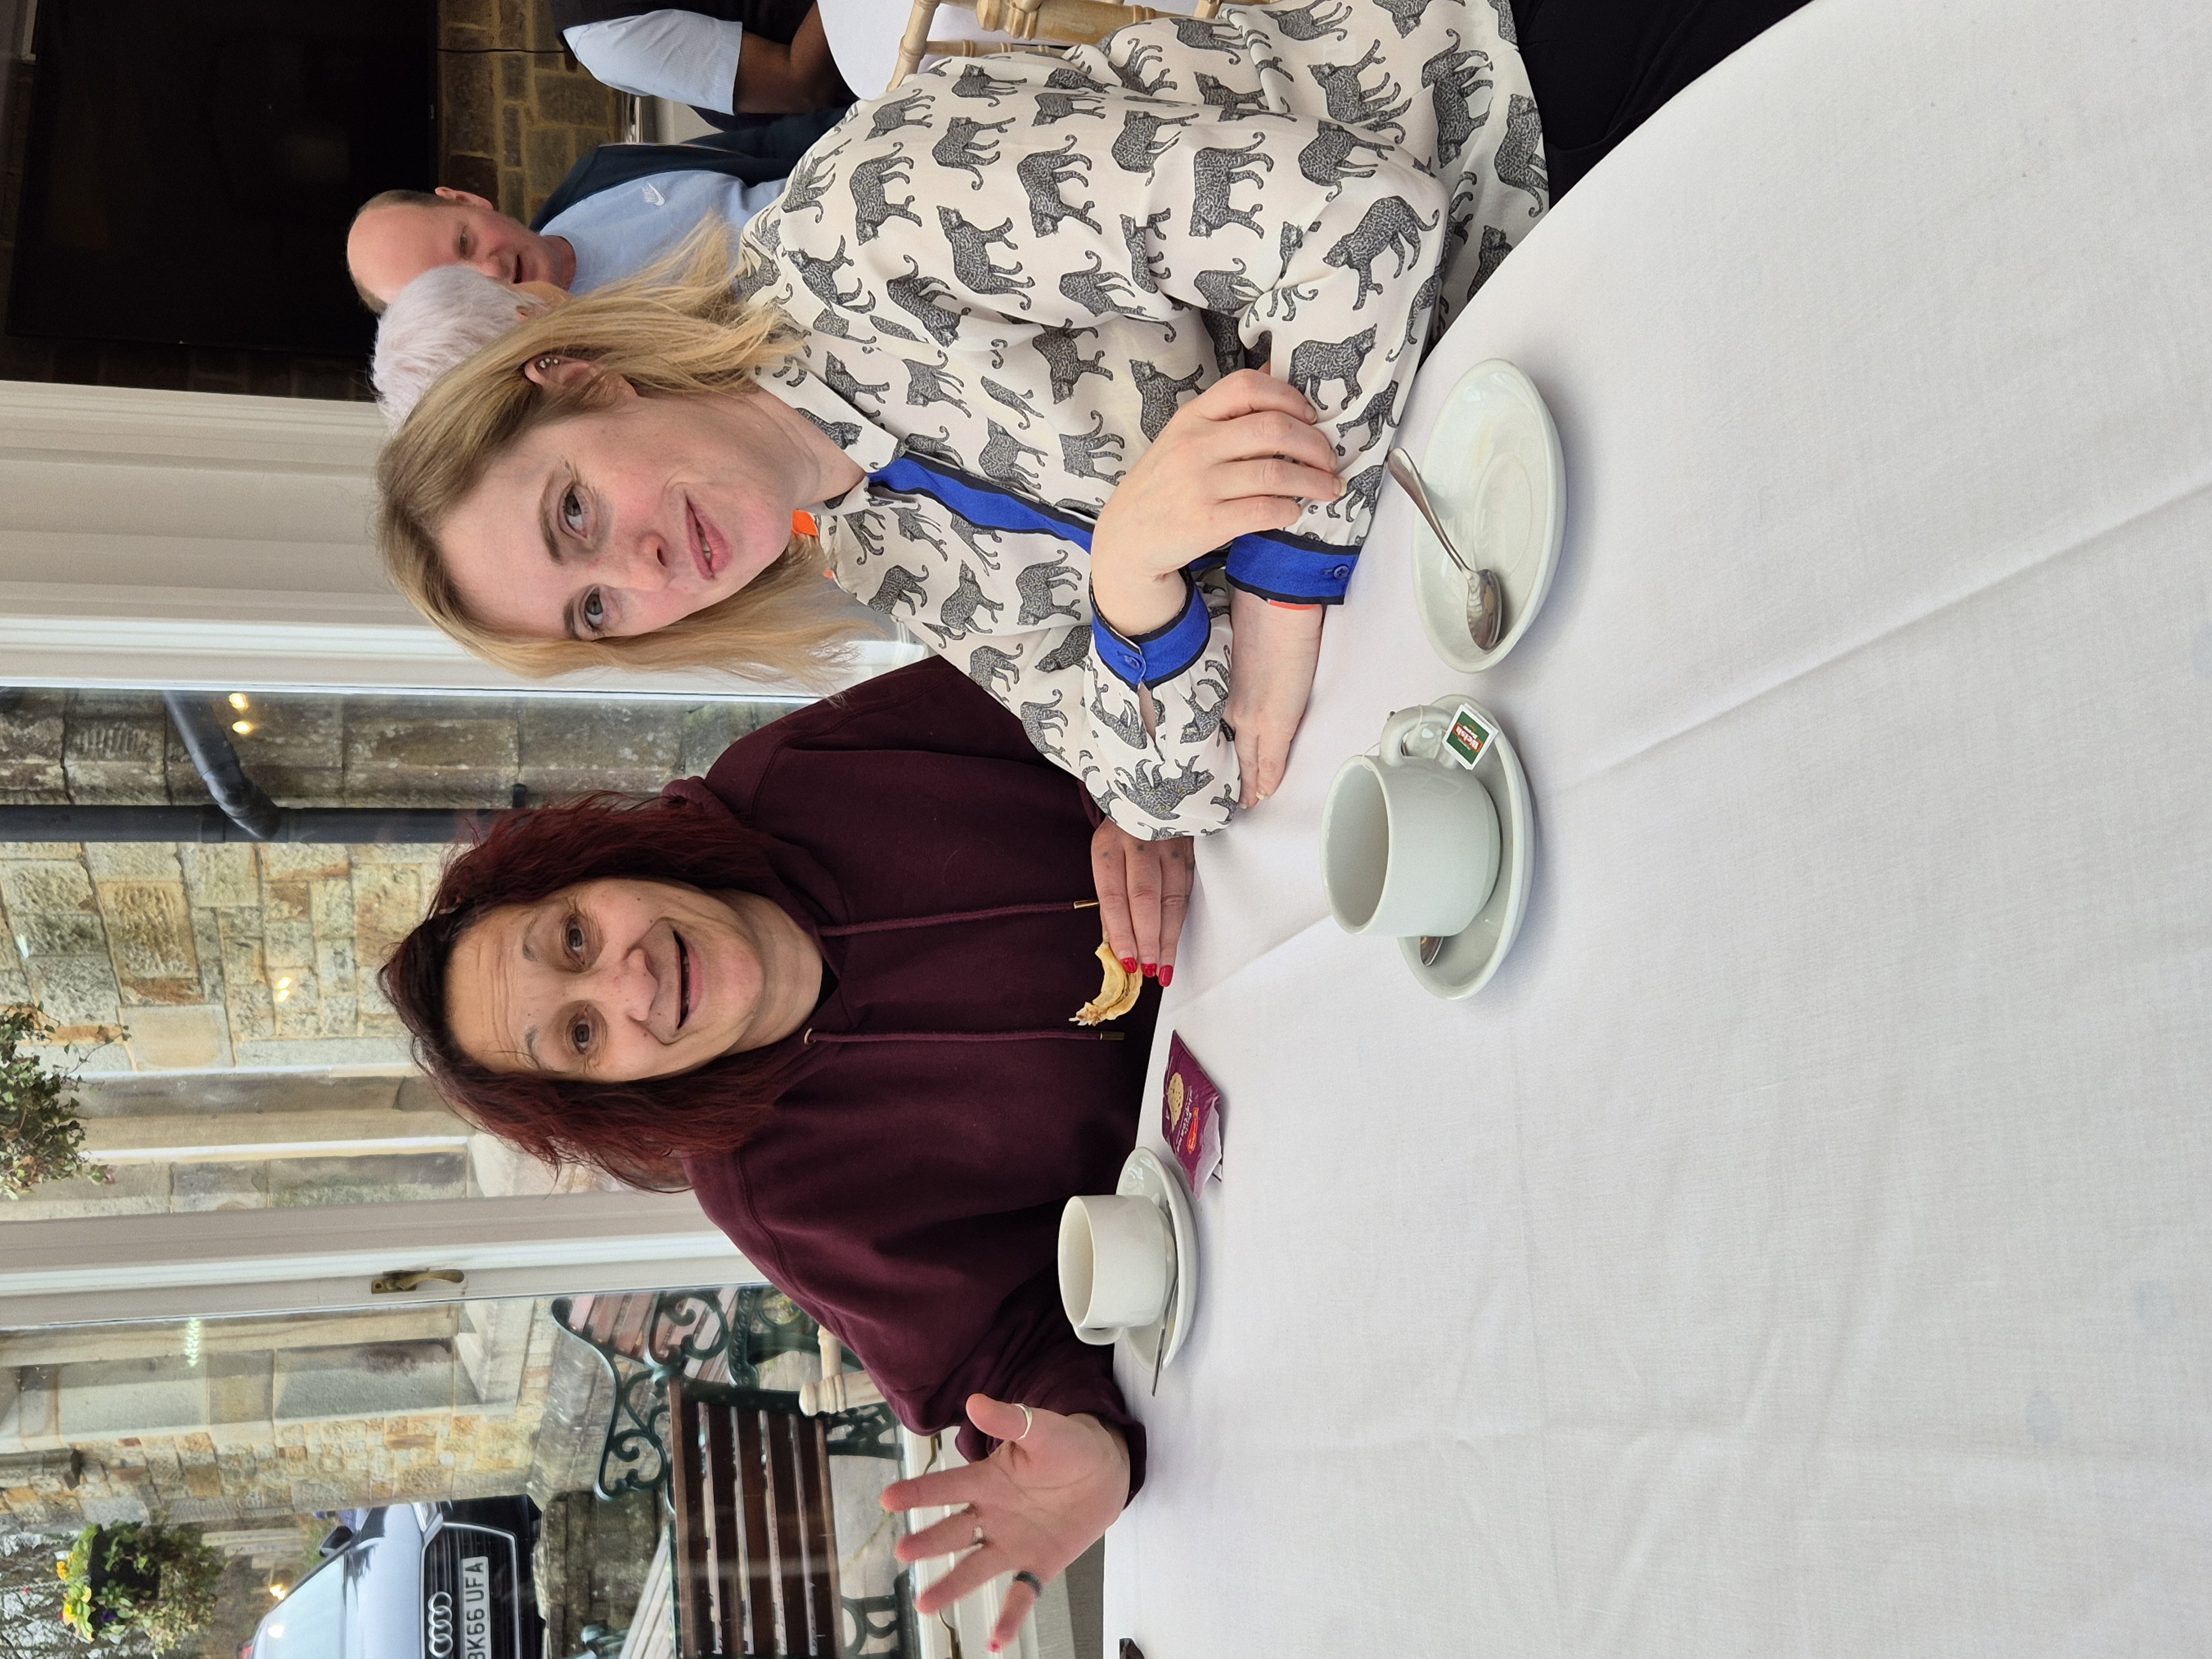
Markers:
point(192, 168)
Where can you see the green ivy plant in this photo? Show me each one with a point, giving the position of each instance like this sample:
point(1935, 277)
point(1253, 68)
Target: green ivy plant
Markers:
point(140, 1576)
point(40, 1137)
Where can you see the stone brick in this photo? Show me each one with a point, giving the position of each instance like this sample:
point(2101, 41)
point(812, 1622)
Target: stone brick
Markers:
point(455, 15)
point(336, 965)
point(514, 82)
point(116, 759)
point(180, 1039)
point(30, 728)
point(571, 101)
point(302, 861)
point(461, 761)
point(221, 875)
point(510, 140)
point(33, 783)
point(478, 174)
point(545, 161)
point(49, 884)
point(150, 938)
point(285, 902)
point(468, 104)
point(132, 860)
point(76, 989)
point(387, 903)
point(287, 944)
point(330, 909)
point(207, 944)
point(55, 932)
point(571, 747)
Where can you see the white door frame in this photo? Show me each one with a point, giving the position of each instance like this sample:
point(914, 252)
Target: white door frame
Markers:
point(209, 1264)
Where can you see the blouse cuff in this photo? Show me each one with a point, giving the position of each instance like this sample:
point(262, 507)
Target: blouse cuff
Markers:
point(1159, 656)
point(1298, 571)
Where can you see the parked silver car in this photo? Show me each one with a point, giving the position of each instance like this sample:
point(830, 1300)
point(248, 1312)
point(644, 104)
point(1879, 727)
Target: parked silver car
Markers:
point(415, 1581)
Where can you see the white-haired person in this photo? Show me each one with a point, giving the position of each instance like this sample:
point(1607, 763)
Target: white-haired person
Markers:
point(440, 319)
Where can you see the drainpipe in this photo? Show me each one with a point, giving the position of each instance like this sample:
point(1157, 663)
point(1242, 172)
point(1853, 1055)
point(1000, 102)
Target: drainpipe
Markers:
point(242, 801)
point(242, 811)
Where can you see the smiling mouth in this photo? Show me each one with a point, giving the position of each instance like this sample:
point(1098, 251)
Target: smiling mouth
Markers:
point(703, 545)
point(683, 983)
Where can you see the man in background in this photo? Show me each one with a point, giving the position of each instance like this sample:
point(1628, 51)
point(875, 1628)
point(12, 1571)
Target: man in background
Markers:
point(620, 209)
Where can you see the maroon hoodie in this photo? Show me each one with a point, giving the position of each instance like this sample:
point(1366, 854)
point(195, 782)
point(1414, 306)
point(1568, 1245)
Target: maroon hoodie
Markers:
point(940, 1107)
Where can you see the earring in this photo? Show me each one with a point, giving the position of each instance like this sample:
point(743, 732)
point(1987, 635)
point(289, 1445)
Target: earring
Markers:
point(545, 363)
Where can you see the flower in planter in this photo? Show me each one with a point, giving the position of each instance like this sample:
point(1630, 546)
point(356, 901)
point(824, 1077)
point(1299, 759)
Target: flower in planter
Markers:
point(142, 1577)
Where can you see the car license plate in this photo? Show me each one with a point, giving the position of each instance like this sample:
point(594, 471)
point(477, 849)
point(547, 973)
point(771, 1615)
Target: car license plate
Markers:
point(475, 1607)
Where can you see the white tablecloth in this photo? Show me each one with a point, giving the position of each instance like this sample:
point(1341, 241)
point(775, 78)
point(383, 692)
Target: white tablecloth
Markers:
point(1804, 1245)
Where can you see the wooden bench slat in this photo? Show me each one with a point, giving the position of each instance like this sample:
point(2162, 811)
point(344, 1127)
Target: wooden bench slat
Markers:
point(783, 1521)
point(760, 1551)
point(690, 1524)
point(722, 1529)
point(819, 1524)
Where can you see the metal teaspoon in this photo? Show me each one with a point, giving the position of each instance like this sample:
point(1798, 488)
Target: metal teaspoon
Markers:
point(1486, 599)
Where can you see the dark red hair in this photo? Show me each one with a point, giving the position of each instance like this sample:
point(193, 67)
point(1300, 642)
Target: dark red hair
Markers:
point(639, 1132)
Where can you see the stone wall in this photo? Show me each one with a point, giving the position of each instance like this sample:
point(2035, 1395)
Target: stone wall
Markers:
point(232, 954)
point(589, 1563)
point(279, 1431)
point(517, 111)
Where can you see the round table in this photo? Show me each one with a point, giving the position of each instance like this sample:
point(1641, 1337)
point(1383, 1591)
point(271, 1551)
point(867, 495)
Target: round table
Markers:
point(1804, 1244)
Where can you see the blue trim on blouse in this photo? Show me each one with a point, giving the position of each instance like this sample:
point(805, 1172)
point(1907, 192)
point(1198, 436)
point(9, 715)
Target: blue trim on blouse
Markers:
point(978, 501)
point(1159, 656)
point(1297, 569)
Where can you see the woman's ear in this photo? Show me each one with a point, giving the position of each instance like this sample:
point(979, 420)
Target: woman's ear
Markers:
point(559, 374)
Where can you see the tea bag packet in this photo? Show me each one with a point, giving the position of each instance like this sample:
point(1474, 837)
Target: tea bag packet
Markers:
point(1465, 739)
point(1190, 1115)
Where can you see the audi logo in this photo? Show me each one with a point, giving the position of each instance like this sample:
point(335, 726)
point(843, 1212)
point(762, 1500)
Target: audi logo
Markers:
point(438, 1621)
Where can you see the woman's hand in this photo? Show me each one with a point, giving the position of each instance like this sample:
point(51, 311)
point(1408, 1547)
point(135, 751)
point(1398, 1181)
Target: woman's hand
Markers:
point(1242, 457)
point(1143, 894)
point(1271, 675)
point(1049, 1491)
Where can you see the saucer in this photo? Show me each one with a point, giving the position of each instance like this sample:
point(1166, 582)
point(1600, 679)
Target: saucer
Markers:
point(1471, 955)
point(1144, 1177)
point(1494, 471)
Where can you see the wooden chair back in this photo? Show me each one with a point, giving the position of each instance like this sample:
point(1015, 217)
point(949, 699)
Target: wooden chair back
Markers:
point(754, 1532)
point(1025, 23)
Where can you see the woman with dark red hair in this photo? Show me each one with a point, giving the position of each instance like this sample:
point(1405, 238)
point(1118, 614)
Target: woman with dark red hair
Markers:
point(828, 986)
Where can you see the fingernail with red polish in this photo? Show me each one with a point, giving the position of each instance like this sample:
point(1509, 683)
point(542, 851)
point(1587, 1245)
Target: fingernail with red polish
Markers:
point(1167, 974)
point(1151, 970)
point(1128, 964)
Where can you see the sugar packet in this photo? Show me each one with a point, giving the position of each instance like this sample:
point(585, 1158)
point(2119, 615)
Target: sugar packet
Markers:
point(1190, 1115)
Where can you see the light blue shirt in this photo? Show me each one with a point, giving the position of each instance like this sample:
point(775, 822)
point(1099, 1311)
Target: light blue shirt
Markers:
point(625, 229)
point(677, 55)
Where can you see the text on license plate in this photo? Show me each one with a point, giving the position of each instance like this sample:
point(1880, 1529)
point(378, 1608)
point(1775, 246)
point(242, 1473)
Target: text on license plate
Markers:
point(475, 1607)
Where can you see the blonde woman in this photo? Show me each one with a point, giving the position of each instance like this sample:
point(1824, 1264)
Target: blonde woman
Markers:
point(998, 338)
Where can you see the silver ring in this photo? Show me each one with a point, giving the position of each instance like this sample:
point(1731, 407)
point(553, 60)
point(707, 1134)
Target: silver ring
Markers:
point(979, 1533)
point(1029, 1422)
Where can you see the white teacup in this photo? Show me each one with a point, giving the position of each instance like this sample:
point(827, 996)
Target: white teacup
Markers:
point(1408, 844)
point(1115, 1255)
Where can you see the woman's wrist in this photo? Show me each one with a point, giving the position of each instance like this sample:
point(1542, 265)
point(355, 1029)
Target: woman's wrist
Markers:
point(1134, 602)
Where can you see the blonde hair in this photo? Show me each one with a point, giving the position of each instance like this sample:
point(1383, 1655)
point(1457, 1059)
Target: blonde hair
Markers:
point(679, 329)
